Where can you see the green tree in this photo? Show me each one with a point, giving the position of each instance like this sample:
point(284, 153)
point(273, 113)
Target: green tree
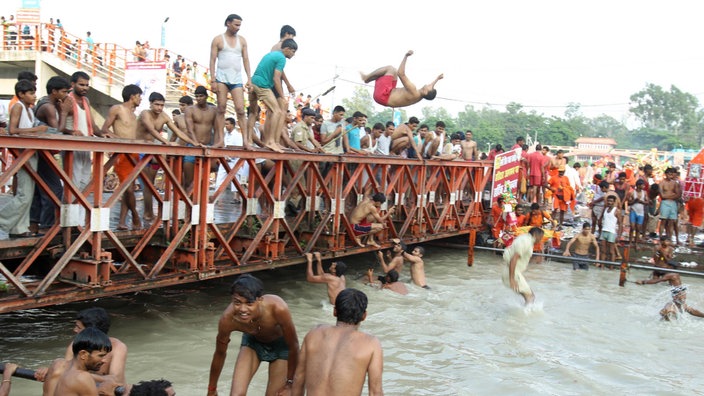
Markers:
point(673, 111)
point(361, 100)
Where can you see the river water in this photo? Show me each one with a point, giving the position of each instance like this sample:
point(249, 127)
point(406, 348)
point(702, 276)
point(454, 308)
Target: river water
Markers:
point(469, 335)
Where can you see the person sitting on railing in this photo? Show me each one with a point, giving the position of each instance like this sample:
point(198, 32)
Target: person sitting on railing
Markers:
point(15, 218)
point(366, 220)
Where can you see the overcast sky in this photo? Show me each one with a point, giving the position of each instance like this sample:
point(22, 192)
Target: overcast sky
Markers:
point(542, 54)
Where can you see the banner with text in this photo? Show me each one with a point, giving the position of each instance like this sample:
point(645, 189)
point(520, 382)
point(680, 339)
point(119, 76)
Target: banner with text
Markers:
point(506, 172)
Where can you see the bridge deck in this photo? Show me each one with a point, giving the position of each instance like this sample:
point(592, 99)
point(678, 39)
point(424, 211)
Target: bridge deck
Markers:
point(297, 203)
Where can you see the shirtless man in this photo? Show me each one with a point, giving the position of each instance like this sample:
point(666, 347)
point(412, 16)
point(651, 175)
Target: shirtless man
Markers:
point(123, 122)
point(335, 279)
point(663, 259)
point(678, 305)
point(469, 147)
point(89, 350)
point(402, 138)
point(671, 194)
point(393, 256)
point(367, 221)
point(150, 124)
point(229, 50)
point(200, 123)
point(335, 360)
point(386, 93)
point(388, 281)
point(417, 266)
point(180, 120)
point(268, 334)
point(582, 242)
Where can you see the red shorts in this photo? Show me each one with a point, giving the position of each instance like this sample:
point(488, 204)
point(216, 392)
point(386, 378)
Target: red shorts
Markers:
point(123, 166)
point(362, 228)
point(382, 89)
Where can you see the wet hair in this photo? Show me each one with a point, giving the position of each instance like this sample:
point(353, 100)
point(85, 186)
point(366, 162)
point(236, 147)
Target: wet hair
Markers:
point(534, 206)
point(338, 109)
point(287, 29)
point(379, 197)
point(186, 100)
point(414, 120)
point(129, 90)
point(350, 306)
point(154, 96)
point(79, 75)
point(247, 286)
point(26, 75)
point(536, 232)
point(23, 86)
point(340, 268)
point(393, 276)
point(91, 339)
point(57, 83)
point(231, 18)
point(289, 43)
point(431, 94)
point(421, 250)
point(151, 388)
point(95, 317)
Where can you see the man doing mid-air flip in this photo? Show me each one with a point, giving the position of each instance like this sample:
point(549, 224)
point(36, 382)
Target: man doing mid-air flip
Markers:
point(386, 93)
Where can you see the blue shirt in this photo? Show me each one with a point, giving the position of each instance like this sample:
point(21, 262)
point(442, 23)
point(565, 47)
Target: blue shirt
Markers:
point(264, 75)
point(354, 138)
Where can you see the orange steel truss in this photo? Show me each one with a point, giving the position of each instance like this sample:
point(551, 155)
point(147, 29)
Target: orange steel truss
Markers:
point(87, 258)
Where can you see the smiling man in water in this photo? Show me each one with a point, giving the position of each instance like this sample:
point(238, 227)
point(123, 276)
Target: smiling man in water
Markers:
point(268, 334)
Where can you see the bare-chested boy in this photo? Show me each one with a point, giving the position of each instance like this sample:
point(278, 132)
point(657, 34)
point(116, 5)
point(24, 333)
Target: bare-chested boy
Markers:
point(402, 138)
point(469, 147)
point(268, 334)
point(200, 122)
point(335, 360)
point(367, 221)
point(671, 194)
point(335, 279)
point(151, 123)
point(582, 242)
point(113, 369)
point(417, 266)
point(184, 102)
point(393, 256)
point(90, 348)
point(123, 121)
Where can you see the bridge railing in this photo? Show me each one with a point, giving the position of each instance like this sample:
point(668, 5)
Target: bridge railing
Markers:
point(292, 203)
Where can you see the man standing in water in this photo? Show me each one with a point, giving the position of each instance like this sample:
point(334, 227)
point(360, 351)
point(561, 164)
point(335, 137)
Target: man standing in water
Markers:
point(516, 259)
point(335, 279)
point(582, 242)
point(268, 334)
point(678, 305)
point(335, 360)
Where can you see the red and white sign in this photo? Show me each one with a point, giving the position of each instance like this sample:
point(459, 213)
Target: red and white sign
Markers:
point(506, 172)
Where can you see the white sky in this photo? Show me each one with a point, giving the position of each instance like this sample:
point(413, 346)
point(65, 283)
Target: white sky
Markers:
point(542, 54)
